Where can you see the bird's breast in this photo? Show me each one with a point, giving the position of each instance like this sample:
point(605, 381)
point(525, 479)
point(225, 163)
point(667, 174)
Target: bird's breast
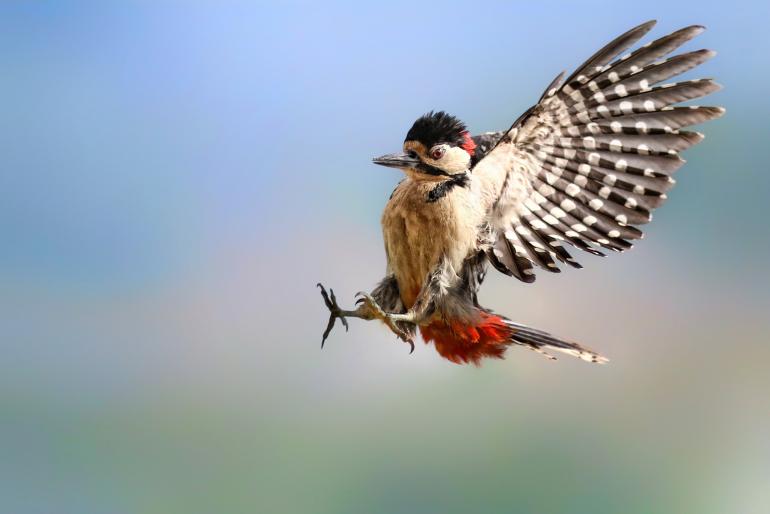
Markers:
point(419, 234)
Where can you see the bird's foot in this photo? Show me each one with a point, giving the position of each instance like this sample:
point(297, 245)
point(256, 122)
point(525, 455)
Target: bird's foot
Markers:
point(334, 312)
point(369, 307)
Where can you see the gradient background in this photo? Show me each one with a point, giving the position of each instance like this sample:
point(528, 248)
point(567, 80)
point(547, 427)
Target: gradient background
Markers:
point(175, 179)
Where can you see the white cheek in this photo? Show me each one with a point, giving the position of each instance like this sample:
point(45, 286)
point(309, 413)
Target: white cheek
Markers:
point(455, 160)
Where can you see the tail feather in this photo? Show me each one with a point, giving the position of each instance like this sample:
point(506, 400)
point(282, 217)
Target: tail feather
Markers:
point(491, 335)
point(540, 341)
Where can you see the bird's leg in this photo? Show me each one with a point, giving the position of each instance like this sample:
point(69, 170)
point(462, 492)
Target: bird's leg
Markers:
point(424, 306)
point(438, 285)
point(368, 309)
point(413, 316)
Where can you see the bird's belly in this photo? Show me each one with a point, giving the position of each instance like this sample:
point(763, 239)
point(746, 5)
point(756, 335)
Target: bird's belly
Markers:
point(419, 235)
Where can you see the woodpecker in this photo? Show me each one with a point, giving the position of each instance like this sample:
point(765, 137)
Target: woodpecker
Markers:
point(583, 167)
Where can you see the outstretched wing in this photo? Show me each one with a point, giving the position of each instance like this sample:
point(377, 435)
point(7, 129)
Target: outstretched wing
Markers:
point(594, 157)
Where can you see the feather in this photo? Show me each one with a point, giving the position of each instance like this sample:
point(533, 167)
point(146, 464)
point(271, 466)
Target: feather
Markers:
point(539, 339)
point(651, 100)
point(631, 64)
point(609, 51)
point(642, 79)
point(506, 259)
point(658, 144)
point(537, 252)
point(597, 154)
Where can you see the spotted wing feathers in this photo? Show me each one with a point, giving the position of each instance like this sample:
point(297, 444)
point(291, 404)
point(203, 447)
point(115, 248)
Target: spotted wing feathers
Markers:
point(595, 156)
point(484, 144)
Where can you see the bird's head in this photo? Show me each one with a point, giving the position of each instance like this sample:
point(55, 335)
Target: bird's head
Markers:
point(437, 147)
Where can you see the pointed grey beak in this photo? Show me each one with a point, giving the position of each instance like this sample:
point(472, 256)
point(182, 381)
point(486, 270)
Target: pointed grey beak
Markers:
point(397, 160)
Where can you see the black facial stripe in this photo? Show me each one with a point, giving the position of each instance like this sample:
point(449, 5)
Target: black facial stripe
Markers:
point(443, 188)
point(431, 170)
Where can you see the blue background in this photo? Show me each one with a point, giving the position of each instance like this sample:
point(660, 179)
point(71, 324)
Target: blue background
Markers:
point(176, 177)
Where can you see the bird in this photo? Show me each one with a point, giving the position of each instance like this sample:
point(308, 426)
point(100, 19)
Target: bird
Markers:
point(584, 167)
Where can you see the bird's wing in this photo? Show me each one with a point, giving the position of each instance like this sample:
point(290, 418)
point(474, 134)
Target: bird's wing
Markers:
point(593, 157)
point(484, 144)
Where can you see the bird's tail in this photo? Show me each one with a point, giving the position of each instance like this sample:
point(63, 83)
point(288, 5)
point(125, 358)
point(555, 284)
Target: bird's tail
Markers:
point(490, 335)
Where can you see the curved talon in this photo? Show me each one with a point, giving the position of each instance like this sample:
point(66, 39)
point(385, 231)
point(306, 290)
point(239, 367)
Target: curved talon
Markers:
point(334, 312)
point(366, 298)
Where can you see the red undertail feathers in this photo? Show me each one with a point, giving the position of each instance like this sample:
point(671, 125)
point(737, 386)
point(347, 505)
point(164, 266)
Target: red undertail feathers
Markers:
point(463, 342)
point(490, 336)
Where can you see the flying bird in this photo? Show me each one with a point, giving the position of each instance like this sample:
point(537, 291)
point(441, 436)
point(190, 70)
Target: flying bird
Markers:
point(584, 167)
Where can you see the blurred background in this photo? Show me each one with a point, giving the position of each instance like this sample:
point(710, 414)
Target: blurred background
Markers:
point(176, 177)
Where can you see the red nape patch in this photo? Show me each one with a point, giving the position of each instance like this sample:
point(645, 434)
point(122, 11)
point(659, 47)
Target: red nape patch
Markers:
point(468, 144)
point(461, 342)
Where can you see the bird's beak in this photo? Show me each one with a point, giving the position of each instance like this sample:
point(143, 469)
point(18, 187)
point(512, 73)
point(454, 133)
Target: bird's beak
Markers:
point(397, 160)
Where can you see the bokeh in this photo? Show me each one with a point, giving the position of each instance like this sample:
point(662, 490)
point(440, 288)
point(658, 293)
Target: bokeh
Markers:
point(177, 176)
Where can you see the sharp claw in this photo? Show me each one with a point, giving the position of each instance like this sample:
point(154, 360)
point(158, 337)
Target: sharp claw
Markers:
point(325, 296)
point(334, 312)
point(411, 344)
point(329, 327)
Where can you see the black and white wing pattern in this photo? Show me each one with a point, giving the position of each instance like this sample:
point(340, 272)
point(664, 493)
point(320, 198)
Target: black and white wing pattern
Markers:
point(484, 144)
point(595, 156)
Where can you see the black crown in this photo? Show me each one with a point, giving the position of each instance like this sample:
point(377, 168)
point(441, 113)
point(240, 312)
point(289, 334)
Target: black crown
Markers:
point(437, 127)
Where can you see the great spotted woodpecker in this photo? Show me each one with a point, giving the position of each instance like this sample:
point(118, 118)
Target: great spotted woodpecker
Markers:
point(583, 166)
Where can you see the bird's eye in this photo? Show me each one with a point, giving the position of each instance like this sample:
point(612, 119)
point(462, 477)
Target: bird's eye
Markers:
point(437, 152)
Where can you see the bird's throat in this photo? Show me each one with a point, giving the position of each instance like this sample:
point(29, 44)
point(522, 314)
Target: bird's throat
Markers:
point(445, 187)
